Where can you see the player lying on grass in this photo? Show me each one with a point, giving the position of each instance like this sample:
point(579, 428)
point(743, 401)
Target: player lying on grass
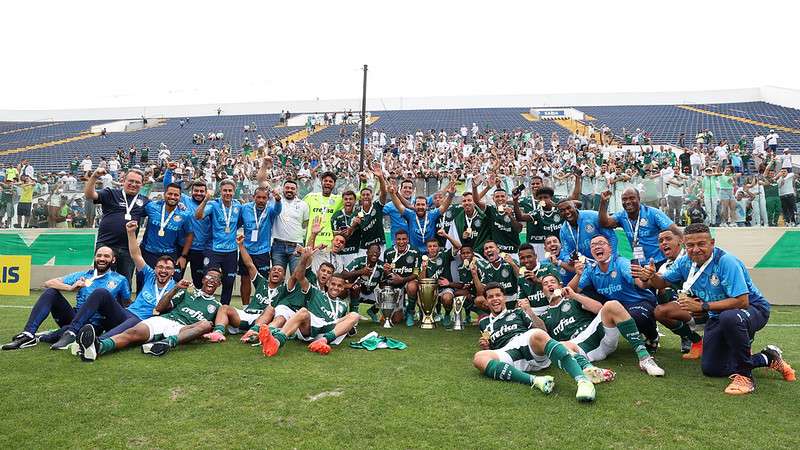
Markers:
point(100, 280)
point(593, 328)
point(267, 292)
point(178, 321)
point(324, 320)
point(514, 342)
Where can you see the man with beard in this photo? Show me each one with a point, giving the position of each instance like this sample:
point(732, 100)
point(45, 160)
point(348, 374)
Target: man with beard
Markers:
point(324, 205)
point(196, 258)
point(400, 268)
point(421, 222)
point(85, 284)
point(501, 270)
point(668, 310)
point(324, 321)
point(256, 222)
point(341, 224)
point(610, 276)
point(397, 220)
point(267, 294)
point(288, 231)
point(592, 328)
point(577, 231)
point(224, 215)
point(120, 206)
point(368, 223)
point(174, 322)
point(642, 225)
point(503, 224)
point(469, 224)
point(167, 224)
point(541, 216)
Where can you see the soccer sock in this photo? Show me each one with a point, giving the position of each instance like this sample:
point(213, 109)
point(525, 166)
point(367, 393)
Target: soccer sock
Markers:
point(278, 334)
point(255, 328)
point(557, 352)
point(499, 370)
point(683, 330)
point(759, 360)
point(354, 305)
point(172, 341)
point(219, 329)
point(410, 306)
point(632, 335)
point(582, 360)
point(330, 336)
point(107, 345)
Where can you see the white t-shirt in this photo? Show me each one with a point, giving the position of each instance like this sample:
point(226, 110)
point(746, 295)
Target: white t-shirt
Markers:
point(758, 143)
point(786, 187)
point(86, 165)
point(772, 139)
point(288, 225)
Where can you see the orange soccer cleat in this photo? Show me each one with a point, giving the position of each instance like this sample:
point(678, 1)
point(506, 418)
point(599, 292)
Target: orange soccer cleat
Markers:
point(695, 352)
point(777, 363)
point(740, 385)
point(320, 346)
point(269, 345)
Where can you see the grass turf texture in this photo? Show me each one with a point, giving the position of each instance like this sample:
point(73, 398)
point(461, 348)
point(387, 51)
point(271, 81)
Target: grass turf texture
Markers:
point(230, 396)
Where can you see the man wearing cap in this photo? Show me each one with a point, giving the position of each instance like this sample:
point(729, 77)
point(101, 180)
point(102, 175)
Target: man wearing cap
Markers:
point(772, 141)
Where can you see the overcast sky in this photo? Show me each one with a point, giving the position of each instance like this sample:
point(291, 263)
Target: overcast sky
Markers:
point(105, 54)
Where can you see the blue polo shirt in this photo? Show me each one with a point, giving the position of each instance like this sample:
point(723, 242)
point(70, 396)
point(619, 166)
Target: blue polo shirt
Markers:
point(418, 233)
point(111, 231)
point(116, 284)
point(175, 229)
point(146, 300)
point(651, 222)
point(201, 229)
point(616, 283)
point(588, 227)
point(221, 241)
point(247, 220)
point(725, 277)
point(397, 221)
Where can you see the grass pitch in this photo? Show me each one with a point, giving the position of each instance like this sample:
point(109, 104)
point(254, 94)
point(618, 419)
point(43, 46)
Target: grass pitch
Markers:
point(429, 396)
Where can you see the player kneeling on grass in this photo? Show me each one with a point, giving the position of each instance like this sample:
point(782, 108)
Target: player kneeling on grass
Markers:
point(514, 342)
point(267, 291)
point(324, 321)
point(591, 327)
point(183, 320)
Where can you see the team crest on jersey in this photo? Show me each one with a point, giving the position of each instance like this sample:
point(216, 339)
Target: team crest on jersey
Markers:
point(507, 219)
point(509, 318)
point(589, 228)
point(448, 215)
point(643, 222)
point(438, 261)
point(562, 271)
point(566, 307)
point(613, 274)
point(557, 218)
point(477, 223)
point(714, 279)
point(177, 218)
point(504, 273)
point(235, 210)
point(211, 309)
point(410, 259)
point(139, 202)
point(112, 284)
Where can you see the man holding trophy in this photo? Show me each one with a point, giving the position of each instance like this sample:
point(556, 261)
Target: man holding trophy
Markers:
point(400, 264)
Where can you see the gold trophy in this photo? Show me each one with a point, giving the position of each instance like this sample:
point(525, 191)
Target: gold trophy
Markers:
point(427, 302)
point(458, 305)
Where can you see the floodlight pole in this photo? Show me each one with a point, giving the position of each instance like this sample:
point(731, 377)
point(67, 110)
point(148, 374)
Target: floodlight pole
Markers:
point(363, 118)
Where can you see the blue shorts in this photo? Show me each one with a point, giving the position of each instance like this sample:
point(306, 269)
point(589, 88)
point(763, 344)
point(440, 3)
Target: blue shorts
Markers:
point(263, 263)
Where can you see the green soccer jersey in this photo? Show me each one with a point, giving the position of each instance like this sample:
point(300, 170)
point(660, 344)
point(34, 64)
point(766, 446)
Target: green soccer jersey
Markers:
point(264, 295)
point(502, 233)
point(438, 266)
point(534, 294)
point(465, 275)
point(340, 222)
point(502, 273)
point(504, 326)
point(476, 224)
point(370, 229)
point(368, 282)
point(402, 263)
point(443, 223)
point(321, 305)
point(294, 299)
point(544, 224)
point(189, 308)
point(566, 320)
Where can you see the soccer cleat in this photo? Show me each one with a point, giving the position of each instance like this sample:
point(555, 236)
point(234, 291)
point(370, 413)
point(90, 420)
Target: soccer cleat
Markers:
point(68, 337)
point(651, 345)
point(214, 336)
point(158, 348)
point(695, 352)
point(320, 346)
point(447, 321)
point(409, 320)
point(740, 385)
point(269, 345)
point(586, 391)
point(88, 344)
point(250, 337)
point(22, 340)
point(373, 315)
point(649, 365)
point(543, 383)
point(686, 345)
point(777, 363)
point(599, 375)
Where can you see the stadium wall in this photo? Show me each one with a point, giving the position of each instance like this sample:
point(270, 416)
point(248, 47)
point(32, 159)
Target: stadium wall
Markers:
point(772, 255)
point(770, 94)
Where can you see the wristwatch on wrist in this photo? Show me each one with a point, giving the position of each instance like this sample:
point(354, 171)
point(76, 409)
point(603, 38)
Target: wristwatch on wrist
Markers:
point(706, 307)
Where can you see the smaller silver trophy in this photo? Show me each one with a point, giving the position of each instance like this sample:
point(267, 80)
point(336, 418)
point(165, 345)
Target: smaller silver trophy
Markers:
point(458, 306)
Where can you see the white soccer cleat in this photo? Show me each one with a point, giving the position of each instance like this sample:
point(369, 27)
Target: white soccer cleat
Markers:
point(649, 365)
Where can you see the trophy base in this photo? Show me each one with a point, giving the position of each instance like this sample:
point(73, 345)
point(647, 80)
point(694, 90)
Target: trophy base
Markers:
point(427, 323)
point(387, 324)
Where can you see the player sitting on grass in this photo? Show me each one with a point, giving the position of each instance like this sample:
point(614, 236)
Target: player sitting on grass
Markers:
point(435, 264)
point(324, 320)
point(514, 342)
point(183, 320)
point(99, 280)
point(591, 327)
point(266, 294)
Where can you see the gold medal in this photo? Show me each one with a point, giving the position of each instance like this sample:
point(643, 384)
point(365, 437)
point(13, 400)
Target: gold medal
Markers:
point(424, 258)
point(522, 271)
point(542, 203)
point(557, 293)
point(227, 229)
point(161, 233)
point(501, 209)
point(361, 214)
point(486, 335)
point(547, 255)
point(469, 231)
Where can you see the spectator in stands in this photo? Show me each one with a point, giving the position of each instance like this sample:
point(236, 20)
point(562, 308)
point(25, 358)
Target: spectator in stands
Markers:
point(772, 141)
point(26, 169)
point(786, 191)
point(39, 214)
point(25, 188)
point(86, 165)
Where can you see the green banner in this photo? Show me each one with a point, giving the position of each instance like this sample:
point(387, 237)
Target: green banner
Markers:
point(50, 247)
